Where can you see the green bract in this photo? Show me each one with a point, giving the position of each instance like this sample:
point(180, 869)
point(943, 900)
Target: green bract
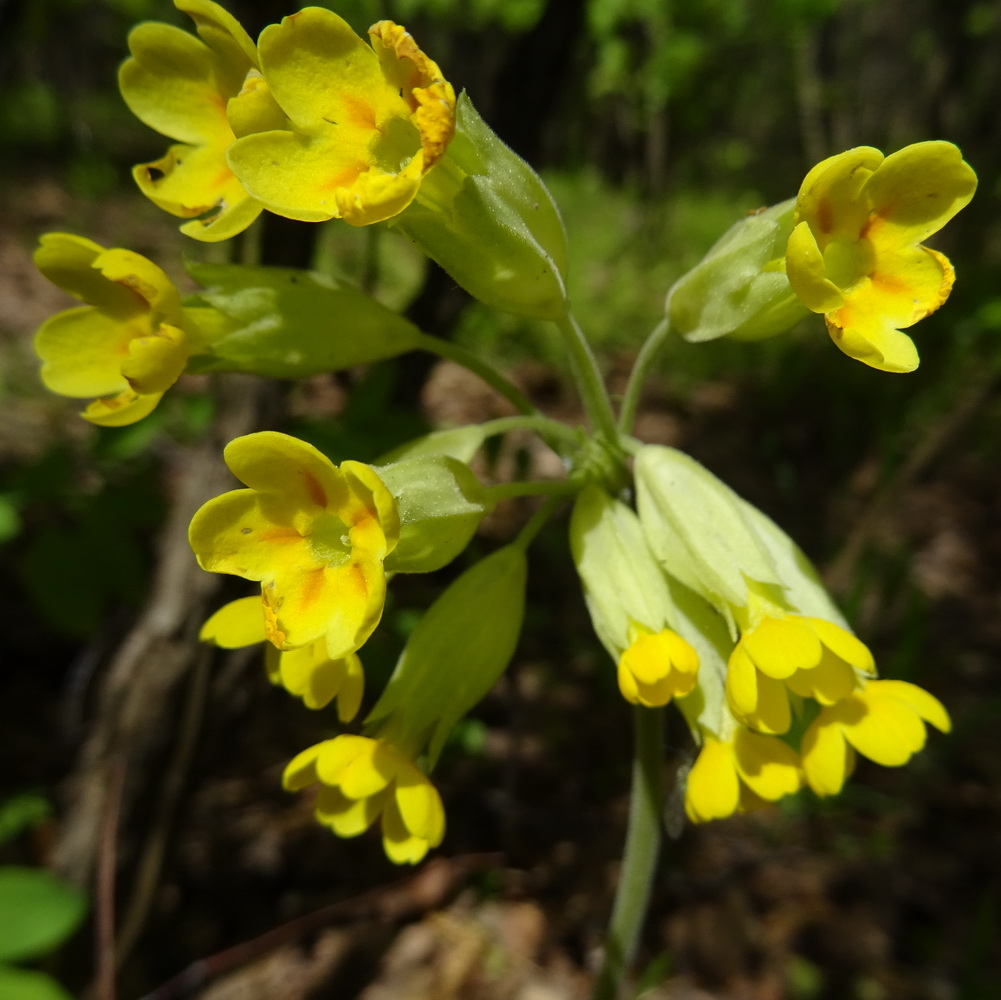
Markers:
point(455, 654)
point(485, 216)
point(440, 503)
point(740, 288)
point(287, 323)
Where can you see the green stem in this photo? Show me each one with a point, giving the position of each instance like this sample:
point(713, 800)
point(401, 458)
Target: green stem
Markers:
point(532, 488)
point(545, 427)
point(537, 522)
point(475, 364)
point(639, 860)
point(592, 389)
point(644, 362)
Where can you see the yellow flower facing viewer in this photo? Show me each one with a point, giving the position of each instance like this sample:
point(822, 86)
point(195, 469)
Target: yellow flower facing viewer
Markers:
point(314, 535)
point(884, 721)
point(368, 121)
point(656, 667)
point(783, 653)
point(308, 672)
point(855, 251)
point(203, 92)
point(126, 346)
point(740, 774)
point(363, 779)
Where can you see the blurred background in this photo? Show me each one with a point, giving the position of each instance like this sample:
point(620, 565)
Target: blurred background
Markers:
point(128, 750)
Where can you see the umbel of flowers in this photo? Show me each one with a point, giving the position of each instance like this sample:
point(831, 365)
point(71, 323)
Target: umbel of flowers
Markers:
point(699, 599)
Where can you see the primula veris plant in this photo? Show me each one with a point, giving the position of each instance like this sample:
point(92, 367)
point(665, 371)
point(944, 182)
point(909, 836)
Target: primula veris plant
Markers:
point(702, 603)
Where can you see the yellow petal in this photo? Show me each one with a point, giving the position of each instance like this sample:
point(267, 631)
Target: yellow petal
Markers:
point(830, 681)
point(889, 732)
point(121, 410)
point(830, 198)
point(154, 363)
point(301, 770)
point(826, 755)
point(843, 644)
point(347, 817)
point(420, 805)
point(239, 623)
point(713, 790)
point(147, 281)
point(171, 85)
point(401, 846)
point(741, 681)
point(68, 261)
point(916, 191)
point(927, 706)
point(82, 351)
point(807, 272)
point(352, 688)
point(780, 646)
point(222, 32)
point(769, 767)
point(359, 766)
point(772, 714)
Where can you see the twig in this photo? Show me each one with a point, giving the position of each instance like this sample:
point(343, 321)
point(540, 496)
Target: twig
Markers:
point(104, 919)
point(416, 894)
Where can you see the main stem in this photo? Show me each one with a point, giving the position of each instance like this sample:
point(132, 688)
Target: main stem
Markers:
point(639, 860)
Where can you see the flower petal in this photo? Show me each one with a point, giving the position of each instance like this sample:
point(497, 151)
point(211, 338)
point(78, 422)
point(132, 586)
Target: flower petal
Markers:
point(888, 731)
point(826, 755)
point(843, 644)
point(781, 646)
point(401, 846)
point(829, 196)
point(189, 181)
point(154, 363)
point(713, 790)
point(420, 805)
point(237, 624)
point(68, 261)
point(119, 411)
point(82, 351)
point(300, 772)
point(916, 191)
point(347, 817)
point(926, 705)
point(807, 272)
point(769, 767)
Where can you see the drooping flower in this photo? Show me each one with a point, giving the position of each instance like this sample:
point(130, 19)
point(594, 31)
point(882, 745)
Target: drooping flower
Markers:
point(855, 251)
point(367, 122)
point(314, 535)
point(656, 667)
point(740, 774)
point(364, 779)
point(308, 672)
point(126, 346)
point(884, 721)
point(781, 653)
point(203, 92)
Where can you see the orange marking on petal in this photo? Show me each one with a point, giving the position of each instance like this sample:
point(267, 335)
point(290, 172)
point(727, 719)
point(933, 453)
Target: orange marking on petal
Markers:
point(825, 216)
point(359, 112)
point(358, 577)
point(316, 492)
point(889, 283)
point(313, 586)
point(283, 535)
point(346, 177)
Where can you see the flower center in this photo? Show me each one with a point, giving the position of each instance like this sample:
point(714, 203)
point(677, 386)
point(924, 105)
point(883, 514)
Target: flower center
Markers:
point(329, 540)
point(847, 263)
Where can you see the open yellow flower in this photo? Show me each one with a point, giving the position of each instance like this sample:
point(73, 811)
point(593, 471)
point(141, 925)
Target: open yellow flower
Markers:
point(126, 346)
point(740, 774)
point(884, 721)
point(855, 251)
point(368, 121)
point(308, 672)
point(313, 534)
point(811, 657)
point(364, 779)
point(656, 667)
point(203, 92)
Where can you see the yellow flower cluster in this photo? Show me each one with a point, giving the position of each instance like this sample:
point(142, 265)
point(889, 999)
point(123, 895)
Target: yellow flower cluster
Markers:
point(311, 123)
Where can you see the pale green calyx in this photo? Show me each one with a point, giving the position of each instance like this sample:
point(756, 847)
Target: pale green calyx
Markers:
point(698, 528)
point(287, 323)
point(454, 655)
point(740, 288)
point(486, 217)
point(440, 502)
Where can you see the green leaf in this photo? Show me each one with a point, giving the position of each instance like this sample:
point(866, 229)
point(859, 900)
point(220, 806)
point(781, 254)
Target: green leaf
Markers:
point(22, 984)
point(38, 911)
point(21, 813)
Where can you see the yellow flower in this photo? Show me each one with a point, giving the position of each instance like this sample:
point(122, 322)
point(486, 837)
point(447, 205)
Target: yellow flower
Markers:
point(885, 721)
point(363, 779)
point(368, 122)
point(308, 673)
point(855, 251)
point(314, 534)
point(740, 774)
point(126, 346)
point(656, 667)
point(204, 93)
point(812, 657)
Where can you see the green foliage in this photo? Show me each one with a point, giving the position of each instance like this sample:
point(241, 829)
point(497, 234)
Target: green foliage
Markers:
point(37, 912)
point(22, 813)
